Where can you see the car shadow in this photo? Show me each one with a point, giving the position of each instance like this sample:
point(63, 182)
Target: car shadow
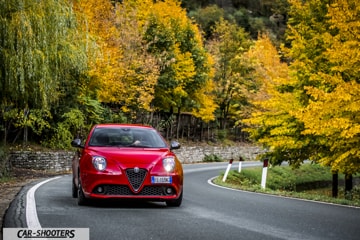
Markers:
point(125, 203)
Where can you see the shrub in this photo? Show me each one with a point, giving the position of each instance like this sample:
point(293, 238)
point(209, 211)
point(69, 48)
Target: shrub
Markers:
point(212, 158)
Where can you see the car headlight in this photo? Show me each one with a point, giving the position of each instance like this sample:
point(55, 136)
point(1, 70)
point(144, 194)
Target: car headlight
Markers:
point(169, 164)
point(99, 163)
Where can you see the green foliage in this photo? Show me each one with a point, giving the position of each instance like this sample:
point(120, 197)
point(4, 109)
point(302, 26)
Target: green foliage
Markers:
point(207, 18)
point(242, 18)
point(36, 119)
point(111, 116)
point(222, 134)
point(212, 158)
point(72, 124)
point(42, 56)
point(232, 70)
point(91, 108)
point(40, 50)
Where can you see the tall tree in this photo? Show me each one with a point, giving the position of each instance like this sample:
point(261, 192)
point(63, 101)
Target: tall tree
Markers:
point(98, 18)
point(272, 122)
point(333, 112)
point(141, 68)
point(185, 66)
point(317, 103)
point(41, 55)
point(228, 45)
point(126, 73)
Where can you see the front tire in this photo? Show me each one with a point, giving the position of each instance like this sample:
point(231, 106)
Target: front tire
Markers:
point(74, 190)
point(175, 202)
point(82, 200)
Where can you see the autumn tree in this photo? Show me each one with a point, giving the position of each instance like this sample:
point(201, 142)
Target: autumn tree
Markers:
point(272, 122)
point(184, 83)
point(333, 110)
point(232, 77)
point(98, 18)
point(141, 68)
point(125, 72)
point(313, 112)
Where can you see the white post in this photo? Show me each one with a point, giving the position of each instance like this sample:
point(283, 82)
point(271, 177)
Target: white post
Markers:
point(240, 163)
point(227, 170)
point(264, 173)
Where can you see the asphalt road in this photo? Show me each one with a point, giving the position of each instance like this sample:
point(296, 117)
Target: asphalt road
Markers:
point(208, 212)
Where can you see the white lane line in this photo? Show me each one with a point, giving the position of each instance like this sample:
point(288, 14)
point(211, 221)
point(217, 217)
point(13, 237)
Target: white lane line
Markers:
point(31, 214)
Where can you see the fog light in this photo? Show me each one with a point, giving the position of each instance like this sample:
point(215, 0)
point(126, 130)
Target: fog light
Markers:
point(100, 190)
point(169, 191)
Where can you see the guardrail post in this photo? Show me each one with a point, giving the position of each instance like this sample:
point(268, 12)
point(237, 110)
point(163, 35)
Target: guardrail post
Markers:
point(264, 173)
point(227, 170)
point(240, 163)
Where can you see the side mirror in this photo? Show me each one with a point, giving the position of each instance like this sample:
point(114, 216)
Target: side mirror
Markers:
point(174, 145)
point(76, 143)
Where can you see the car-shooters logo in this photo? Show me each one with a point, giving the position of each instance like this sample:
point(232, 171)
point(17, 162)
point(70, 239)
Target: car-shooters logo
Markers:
point(46, 233)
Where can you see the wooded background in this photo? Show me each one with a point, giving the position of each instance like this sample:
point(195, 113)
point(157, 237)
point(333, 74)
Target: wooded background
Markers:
point(283, 74)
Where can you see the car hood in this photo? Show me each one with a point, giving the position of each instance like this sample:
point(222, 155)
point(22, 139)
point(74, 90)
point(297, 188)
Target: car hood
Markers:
point(131, 157)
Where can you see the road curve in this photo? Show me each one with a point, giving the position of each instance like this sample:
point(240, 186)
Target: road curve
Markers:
point(208, 212)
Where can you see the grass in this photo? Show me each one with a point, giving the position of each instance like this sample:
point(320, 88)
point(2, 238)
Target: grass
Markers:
point(310, 181)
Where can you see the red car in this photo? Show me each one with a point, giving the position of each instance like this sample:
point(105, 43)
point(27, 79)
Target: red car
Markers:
point(127, 161)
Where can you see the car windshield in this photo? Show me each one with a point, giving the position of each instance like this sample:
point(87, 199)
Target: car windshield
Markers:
point(129, 137)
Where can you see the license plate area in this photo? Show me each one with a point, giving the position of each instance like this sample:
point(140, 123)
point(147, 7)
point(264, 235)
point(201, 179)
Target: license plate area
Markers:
point(161, 179)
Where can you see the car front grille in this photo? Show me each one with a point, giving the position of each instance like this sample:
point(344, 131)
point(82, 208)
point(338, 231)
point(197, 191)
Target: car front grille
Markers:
point(136, 177)
point(124, 190)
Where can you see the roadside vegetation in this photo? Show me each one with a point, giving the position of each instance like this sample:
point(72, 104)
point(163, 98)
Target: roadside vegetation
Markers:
point(310, 181)
point(212, 158)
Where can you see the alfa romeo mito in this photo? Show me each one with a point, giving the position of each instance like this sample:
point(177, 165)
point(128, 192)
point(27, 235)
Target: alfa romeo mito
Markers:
point(126, 161)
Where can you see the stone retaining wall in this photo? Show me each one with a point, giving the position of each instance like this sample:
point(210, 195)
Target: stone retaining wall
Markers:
point(193, 154)
point(49, 161)
point(61, 160)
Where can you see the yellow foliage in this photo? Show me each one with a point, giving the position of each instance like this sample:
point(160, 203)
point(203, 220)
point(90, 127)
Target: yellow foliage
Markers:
point(126, 74)
point(333, 110)
point(207, 104)
point(271, 74)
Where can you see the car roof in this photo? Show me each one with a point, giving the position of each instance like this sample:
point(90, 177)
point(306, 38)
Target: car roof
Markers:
point(127, 125)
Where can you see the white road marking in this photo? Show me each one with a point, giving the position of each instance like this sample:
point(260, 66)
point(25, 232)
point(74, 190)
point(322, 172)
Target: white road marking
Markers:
point(31, 214)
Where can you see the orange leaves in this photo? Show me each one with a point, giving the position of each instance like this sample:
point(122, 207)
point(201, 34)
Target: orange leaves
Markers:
point(125, 72)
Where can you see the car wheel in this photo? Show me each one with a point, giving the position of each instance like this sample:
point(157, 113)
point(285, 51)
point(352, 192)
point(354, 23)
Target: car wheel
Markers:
point(74, 190)
point(176, 202)
point(81, 197)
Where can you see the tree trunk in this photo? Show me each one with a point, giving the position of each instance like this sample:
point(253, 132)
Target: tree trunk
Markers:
point(335, 189)
point(348, 186)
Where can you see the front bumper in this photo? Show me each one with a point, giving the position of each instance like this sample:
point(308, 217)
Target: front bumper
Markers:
point(123, 185)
